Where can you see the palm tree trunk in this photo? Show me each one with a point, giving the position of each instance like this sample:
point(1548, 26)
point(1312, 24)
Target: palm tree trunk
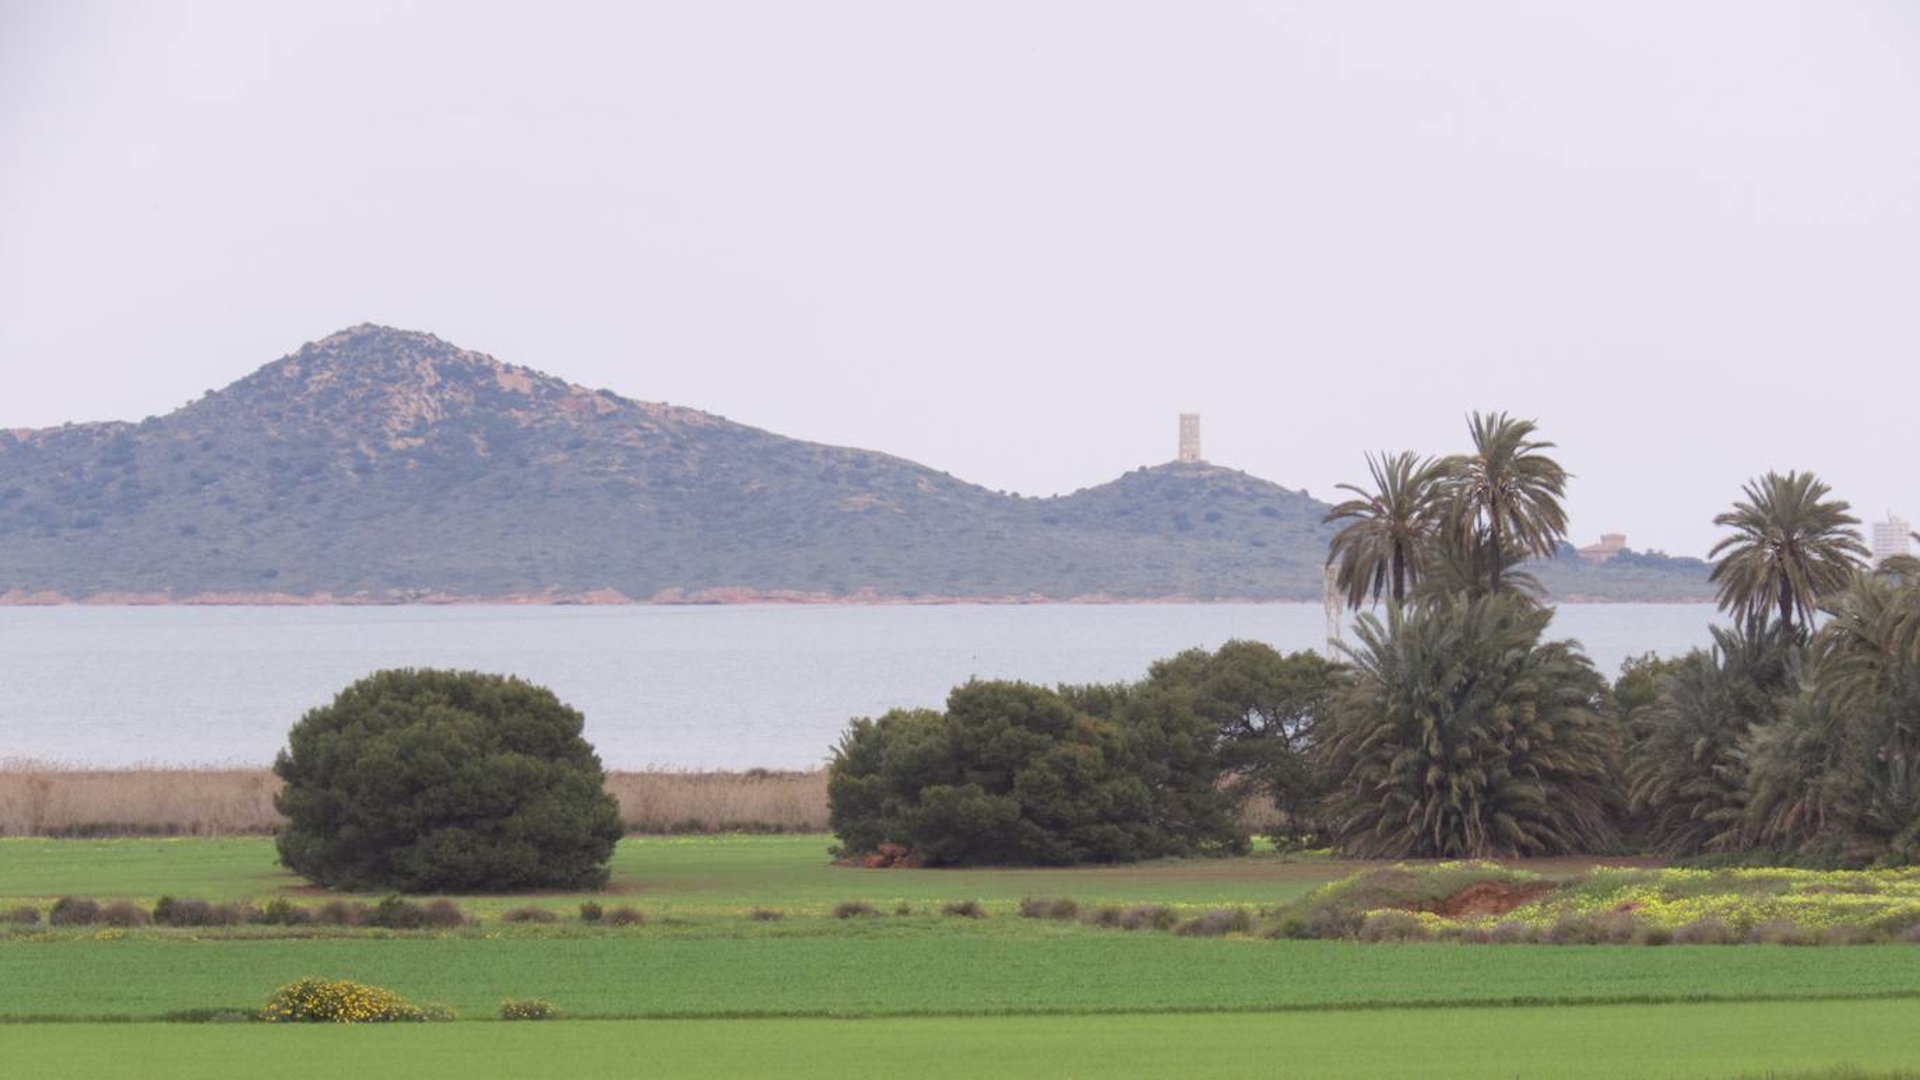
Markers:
point(1399, 573)
point(1786, 602)
point(1493, 531)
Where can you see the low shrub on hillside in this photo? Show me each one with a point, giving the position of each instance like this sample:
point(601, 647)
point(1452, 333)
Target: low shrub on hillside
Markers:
point(1393, 926)
point(1147, 917)
point(337, 1001)
point(854, 909)
point(23, 915)
point(964, 909)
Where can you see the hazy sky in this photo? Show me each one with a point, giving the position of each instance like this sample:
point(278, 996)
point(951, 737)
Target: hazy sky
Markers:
point(1012, 240)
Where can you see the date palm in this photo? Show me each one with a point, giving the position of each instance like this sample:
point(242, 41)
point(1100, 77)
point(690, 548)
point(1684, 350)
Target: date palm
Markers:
point(1380, 549)
point(1510, 489)
point(1791, 546)
point(1461, 734)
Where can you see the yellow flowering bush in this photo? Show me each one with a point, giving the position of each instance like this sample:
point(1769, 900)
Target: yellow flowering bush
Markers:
point(337, 1001)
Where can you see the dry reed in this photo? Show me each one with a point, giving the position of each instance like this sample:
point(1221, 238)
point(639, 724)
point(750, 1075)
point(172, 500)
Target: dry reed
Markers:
point(43, 800)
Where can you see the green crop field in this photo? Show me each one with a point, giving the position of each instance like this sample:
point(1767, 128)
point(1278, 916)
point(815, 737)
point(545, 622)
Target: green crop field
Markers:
point(1672, 1042)
point(701, 990)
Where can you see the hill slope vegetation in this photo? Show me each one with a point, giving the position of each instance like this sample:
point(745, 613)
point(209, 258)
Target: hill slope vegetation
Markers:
point(381, 465)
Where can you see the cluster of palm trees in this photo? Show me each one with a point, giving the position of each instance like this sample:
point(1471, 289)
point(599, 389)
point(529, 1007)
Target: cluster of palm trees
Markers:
point(1457, 729)
point(1798, 733)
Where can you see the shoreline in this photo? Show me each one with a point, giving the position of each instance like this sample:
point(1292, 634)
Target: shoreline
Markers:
point(20, 598)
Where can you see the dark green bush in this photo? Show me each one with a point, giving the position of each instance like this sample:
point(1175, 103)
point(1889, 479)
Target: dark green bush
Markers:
point(591, 912)
point(964, 909)
point(854, 909)
point(1014, 774)
point(1047, 907)
point(423, 781)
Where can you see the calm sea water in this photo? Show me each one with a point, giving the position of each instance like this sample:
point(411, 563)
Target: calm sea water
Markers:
point(674, 687)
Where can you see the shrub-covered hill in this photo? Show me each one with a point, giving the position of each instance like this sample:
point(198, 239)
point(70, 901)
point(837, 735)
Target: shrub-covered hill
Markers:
point(387, 465)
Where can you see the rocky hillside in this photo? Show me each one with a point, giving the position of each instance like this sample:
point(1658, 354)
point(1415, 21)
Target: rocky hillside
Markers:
point(381, 465)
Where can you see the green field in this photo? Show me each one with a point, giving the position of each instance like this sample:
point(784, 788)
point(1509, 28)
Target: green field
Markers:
point(700, 990)
point(696, 874)
point(1623, 1042)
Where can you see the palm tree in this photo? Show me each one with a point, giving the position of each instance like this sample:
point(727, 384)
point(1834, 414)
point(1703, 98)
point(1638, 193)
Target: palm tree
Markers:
point(1791, 545)
point(1460, 734)
point(1689, 773)
point(1380, 548)
point(1509, 489)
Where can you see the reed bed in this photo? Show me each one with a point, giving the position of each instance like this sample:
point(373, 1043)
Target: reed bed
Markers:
point(44, 800)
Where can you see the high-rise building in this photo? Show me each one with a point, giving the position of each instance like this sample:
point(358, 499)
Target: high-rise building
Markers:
point(1890, 538)
point(1189, 436)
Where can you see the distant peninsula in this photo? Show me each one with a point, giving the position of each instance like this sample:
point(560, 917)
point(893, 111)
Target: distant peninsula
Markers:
point(383, 466)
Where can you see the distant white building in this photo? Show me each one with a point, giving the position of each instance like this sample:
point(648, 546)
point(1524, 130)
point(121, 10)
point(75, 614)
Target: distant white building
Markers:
point(1890, 538)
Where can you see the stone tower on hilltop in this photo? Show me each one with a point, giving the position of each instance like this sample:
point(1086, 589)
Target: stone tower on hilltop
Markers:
point(1189, 436)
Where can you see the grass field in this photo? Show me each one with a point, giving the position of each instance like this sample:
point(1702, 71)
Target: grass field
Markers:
point(692, 873)
point(1671, 1042)
point(702, 991)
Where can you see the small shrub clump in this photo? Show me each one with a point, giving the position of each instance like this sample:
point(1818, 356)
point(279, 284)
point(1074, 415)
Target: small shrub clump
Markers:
point(625, 916)
point(591, 912)
point(1393, 926)
point(1106, 917)
point(74, 911)
point(1147, 917)
point(854, 909)
point(528, 914)
point(761, 914)
point(964, 909)
point(337, 1001)
point(124, 913)
point(903, 908)
point(1218, 923)
point(281, 911)
point(394, 913)
point(24, 915)
point(343, 913)
point(1707, 931)
point(527, 1009)
point(169, 911)
point(1047, 907)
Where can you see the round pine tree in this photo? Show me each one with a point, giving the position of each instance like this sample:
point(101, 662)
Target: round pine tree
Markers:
point(444, 781)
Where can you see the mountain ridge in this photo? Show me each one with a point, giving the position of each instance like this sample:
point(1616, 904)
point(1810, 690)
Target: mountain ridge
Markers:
point(380, 465)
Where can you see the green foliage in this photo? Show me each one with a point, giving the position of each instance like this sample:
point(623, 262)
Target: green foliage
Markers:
point(591, 912)
point(1790, 548)
point(1383, 548)
point(528, 1009)
point(337, 1001)
point(1013, 773)
point(1260, 709)
point(1463, 734)
point(435, 780)
point(74, 911)
point(1689, 770)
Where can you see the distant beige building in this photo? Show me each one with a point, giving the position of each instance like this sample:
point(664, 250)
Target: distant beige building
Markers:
point(1890, 538)
point(1189, 436)
point(1610, 544)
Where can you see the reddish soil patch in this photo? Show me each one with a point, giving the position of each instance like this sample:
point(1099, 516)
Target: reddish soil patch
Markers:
point(1490, 898)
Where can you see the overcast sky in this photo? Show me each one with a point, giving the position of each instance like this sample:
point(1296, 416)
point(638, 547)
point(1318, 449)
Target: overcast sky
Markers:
point(1012, 240)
